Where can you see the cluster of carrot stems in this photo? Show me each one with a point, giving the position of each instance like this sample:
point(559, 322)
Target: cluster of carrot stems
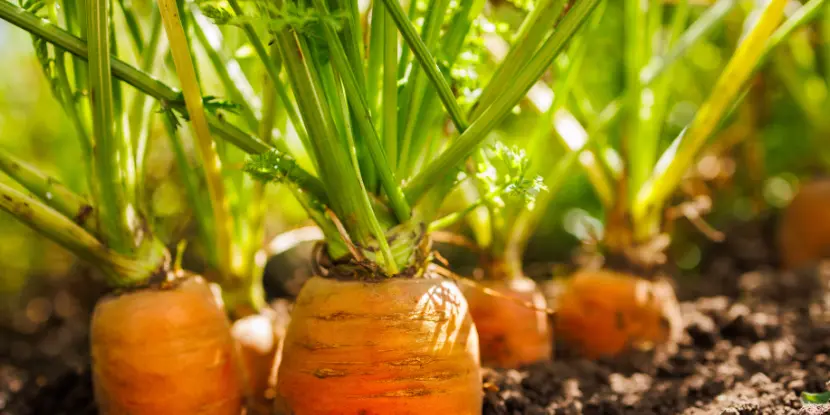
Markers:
point(375, 157)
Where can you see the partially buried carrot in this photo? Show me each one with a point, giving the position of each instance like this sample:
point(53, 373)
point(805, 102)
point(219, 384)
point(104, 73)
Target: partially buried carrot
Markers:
point(512, 332)
point(167, 350)
point(397, 346)
point(605, 313)
point(804, 229)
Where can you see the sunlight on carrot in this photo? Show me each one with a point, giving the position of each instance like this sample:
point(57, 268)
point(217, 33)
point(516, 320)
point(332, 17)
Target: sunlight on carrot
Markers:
point(402, 346)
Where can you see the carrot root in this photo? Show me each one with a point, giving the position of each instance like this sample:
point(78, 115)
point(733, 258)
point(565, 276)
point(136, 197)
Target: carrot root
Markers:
point(511, 334)
point(606, 313)
point(164, 351)
point(400, 346)
point(804, 229)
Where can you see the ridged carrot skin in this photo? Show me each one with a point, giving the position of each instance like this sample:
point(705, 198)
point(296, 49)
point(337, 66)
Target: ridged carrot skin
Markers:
point(161, 351)
point(804, 228)
point(400, 346)
point(605, 313)
point(511, 334)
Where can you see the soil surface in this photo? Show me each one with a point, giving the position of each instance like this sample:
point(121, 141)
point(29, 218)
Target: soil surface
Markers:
point(755, 338)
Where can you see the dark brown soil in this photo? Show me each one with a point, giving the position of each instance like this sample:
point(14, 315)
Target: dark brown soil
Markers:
point(754, 340)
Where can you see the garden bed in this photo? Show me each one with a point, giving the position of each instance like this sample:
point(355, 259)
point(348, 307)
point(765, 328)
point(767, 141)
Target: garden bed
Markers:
point(754, 340)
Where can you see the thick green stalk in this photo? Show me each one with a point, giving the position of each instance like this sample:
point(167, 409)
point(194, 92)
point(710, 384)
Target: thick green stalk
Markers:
point(531, 34)
point(639, 150)
point(455, 217)
point(339, 176)
point(121, 270)
point(389, 86)
point(360, 109)
point(683, 152)
point(452, 43)
point(415, 88)
point(49, 190)
point(112, 203)
point(427, 62)
point(403, 62)
point(375, 59)
point(479, 129)
point(273, 72)
point(71, 107)
point(210, 159)
point(352, 36)
point(140, 80)
point(126, 151)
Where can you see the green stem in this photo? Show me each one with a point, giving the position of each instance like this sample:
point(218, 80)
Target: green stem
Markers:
point(361, 115)
point(375, 60)
point(455, 217)
point(49, 190)
point(273, 72)
point(139, 79)
point(112, 214)
point(210, 159)
point(414, 91)
point(479, 129)
point(427, 62)
point(122, 271)
point(336, 169)
point(683, 151)
point(390, 91)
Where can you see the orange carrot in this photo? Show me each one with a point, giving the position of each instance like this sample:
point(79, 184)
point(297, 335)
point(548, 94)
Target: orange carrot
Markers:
point(398, 346)
point(511, 334)
point(168, 350)
point(804, 229)
point(259, 337)
point(605, 313)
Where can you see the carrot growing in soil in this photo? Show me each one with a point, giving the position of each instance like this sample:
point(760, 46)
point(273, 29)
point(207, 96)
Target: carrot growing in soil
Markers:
point(629, 303)
point(160, 343)
point(233, 231)
point(513, 324)
point(377, 331)
point(803, 236)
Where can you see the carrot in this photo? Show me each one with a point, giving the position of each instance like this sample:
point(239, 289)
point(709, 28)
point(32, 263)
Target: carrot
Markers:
point(804, 229)
point(398, 346)
point(511, 334)
point(163, 351)
point(605, 313)
point(259, 338)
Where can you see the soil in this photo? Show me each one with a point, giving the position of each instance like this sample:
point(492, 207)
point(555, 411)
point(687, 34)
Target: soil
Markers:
point(755, 338)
